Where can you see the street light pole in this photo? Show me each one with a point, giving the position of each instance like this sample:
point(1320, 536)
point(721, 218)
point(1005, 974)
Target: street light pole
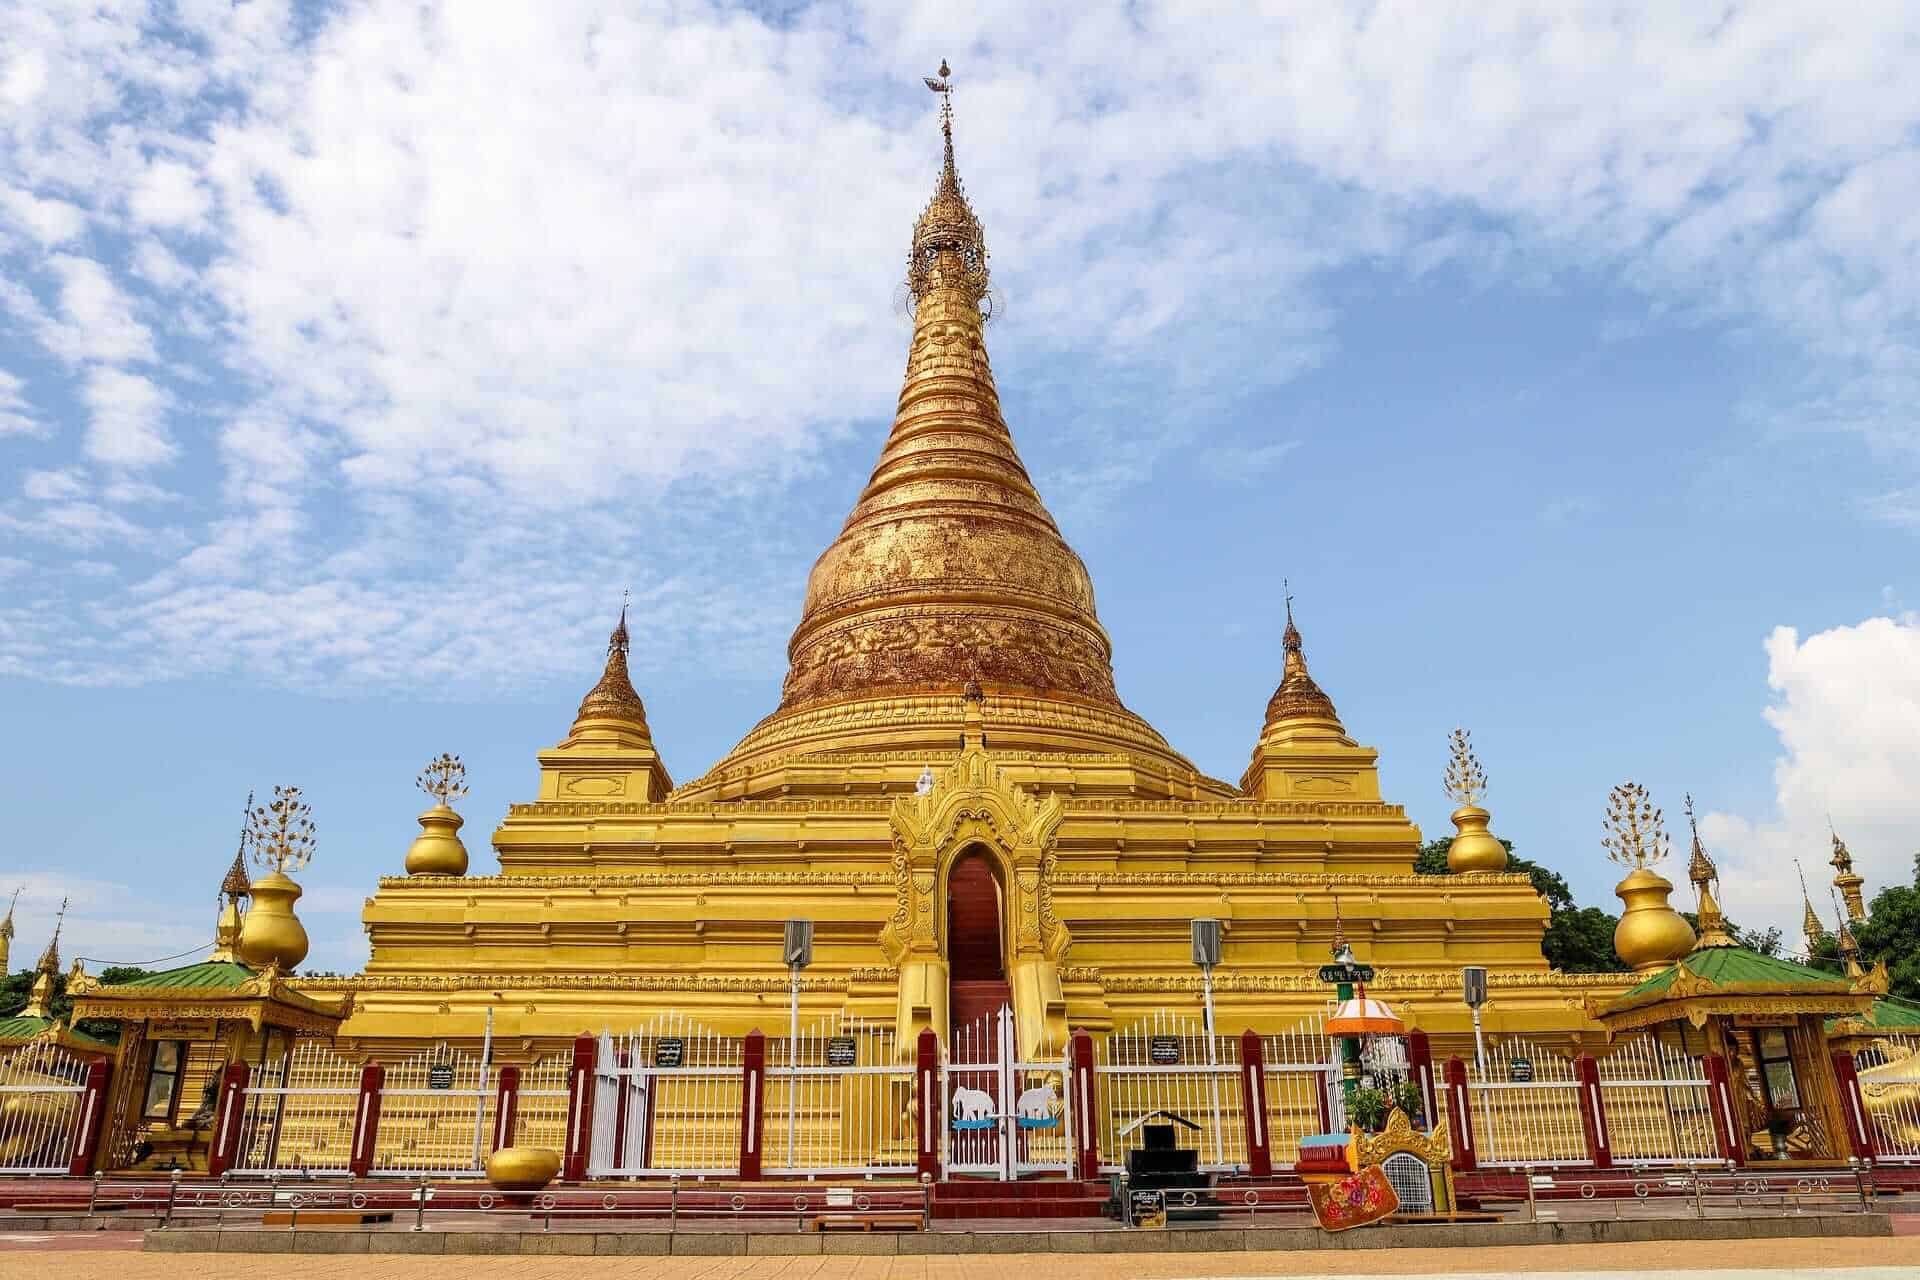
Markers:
point(1473, 989)
point(797, 951)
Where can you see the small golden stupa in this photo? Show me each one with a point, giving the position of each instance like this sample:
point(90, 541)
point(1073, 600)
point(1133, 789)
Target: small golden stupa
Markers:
point(1474, 848)
point(282, 835)
point(1651, 934)
point(437, 850)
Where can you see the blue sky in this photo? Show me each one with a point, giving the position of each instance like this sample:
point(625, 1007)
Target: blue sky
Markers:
point(353, 359)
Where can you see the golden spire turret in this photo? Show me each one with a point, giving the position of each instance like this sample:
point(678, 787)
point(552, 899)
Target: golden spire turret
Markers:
point(1651, 934)
point(1299, 700)
point(281, 838)
point(6, 934)
point(1811, 926)
point(1474, 848)
point(613, 701)
point(437, 850)
point(233, 888)
point(1703, 874)
point(40, 998)
point(1846, 880)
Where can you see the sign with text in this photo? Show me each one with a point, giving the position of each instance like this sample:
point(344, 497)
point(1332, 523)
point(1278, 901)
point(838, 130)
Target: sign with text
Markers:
point(1346, 973)
point(843, 1051)
point(1163, 1051)
point(670, 1052)
point(1520, 1071)
point(440, 1076)
point(1149, 1209)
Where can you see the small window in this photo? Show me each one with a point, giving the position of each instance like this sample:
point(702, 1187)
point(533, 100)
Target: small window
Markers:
point(1776, 1068)
point(163, 1080)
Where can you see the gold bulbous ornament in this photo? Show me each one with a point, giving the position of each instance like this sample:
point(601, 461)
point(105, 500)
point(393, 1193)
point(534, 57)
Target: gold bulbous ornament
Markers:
point(1474, 848)
point(437, 850)
point(1651, 934)
point(522, 1168)
point(271, 934)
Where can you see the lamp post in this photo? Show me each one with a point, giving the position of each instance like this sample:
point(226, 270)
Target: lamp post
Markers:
point(1473, 989)
point(797, 951)
point(1206, 954)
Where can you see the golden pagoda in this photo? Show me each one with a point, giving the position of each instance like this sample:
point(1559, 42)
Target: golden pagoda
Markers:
point(953, 791)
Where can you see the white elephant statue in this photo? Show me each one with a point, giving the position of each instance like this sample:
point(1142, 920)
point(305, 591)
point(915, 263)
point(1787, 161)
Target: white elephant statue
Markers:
point(972, 1109)
point(1039, 1108)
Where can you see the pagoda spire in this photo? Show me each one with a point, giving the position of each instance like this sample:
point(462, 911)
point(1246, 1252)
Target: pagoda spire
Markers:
point(1298, 697)
point(1700, 870)
point(234, 886)
point(1811, 926)
point(614, 698)
point(40, 999)
point(1845, 879)
point(6, 934)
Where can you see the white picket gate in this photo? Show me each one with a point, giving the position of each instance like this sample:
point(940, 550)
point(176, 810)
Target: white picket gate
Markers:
point(1890, 1086)
point(1001, 1114)
point(41, 1087)
point(1533, 1121)
point(1658, 1104)
point(1302, 1069)
point(668, 1098)
point(298, 1112)
point(1167, 1062)
point(838, 1101)
point(436, 1114)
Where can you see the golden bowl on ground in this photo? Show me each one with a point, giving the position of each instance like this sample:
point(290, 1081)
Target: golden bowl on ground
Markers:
point(522, 1168)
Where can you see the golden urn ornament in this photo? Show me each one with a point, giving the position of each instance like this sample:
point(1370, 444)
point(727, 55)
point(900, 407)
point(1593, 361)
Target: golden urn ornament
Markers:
point(522, 1168)
point(1651, 934)
point(437, 850)
point(1474, 848)
point(282, 839)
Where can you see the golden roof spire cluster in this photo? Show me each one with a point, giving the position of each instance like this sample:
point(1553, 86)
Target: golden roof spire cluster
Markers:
point(40, 997)
point(1811, 925)
point(6, 931)
point(233, 886)
point(1700, 870)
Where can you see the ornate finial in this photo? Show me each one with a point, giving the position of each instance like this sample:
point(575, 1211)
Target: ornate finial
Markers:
point(1290, 638)
point(1810, 923)
point(614, 697)
point(1298, 697)
point(233, 886)
point(6, 925)
point(1339, 931)
point(949, 247)
point(444, 778)
point(1700, 868)
point(282, 833)
point(50, 958)
point(1842, 859)
point(1466, 780)
point(1636, 836)
point(40, 995)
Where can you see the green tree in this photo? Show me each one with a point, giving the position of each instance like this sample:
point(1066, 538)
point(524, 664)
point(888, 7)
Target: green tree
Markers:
point(1578, 939)
point(1891, 932)
point(17, 988)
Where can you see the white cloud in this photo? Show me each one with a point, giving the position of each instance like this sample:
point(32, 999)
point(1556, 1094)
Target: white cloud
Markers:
point(170, 195)
point(124, 420)
point(53, 486)
point(16, 415)
point(1846, 703)
point(97, 320)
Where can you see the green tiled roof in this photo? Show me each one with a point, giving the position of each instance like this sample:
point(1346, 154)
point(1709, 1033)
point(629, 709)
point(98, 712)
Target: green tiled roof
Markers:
point(21, 1027)
point(1725, 966)
point(207, 975)
point(1890, 1013)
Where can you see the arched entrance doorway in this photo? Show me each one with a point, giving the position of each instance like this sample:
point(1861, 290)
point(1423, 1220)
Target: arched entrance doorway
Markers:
point(976, 955)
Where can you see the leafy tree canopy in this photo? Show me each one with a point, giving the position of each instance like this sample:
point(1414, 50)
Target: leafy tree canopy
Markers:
point(1891, 932)
point(16, 988)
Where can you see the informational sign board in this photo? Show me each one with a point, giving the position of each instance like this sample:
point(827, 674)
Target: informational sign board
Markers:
point(440, 1076)
point(1149, 1210)
point(843, 1051)
point(1520, 1071)
point(1164, 1051)
point(669, 1052)
point(1346, 973)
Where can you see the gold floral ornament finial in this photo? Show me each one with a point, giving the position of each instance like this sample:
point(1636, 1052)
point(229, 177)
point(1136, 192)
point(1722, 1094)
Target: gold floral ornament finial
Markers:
point(1651, 934)
point(1474, 848)
point(949, 246)
point(444, 778)
point(437, 850)
point(1466, 780)
point(1636, 836)
point(281, 837)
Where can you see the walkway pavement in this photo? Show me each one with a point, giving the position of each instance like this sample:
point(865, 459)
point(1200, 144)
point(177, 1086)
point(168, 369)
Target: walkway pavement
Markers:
point(86, 1257)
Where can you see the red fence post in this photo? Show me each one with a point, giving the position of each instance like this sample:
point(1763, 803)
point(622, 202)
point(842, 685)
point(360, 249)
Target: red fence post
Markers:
point(1085, 1085)
point(1859, 1133)
point(506, 1108)
point(366, 1120)
point(926, 1079)
point(1460, 1116)
point(1420, 1064)
point(93, 1110)
point(573, 1166)
point(1720, 1102)
point(1253, 1104)
point(1593, 1111)
point(753, 1100)
point(227, 1116)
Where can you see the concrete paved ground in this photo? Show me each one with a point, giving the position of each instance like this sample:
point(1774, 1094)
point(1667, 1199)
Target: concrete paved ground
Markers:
point(89, 1256)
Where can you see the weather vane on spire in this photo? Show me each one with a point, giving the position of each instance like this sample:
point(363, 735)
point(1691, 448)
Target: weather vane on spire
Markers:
point(943, 85)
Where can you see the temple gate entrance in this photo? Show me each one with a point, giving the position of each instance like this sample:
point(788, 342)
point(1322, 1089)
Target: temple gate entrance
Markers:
point(976, 955)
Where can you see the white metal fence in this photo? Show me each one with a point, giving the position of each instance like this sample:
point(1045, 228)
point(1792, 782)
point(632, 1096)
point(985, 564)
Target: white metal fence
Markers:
point(1167, 1062)
point(1658, 1104)
point(1526, 1115)
point(1302, 1068)
point(436, 1113)
point(838, 1101)
point(668, 1098)
point(1003, 1114)
point(298, 1112)
point(41, 1089)
point(1890, 1085)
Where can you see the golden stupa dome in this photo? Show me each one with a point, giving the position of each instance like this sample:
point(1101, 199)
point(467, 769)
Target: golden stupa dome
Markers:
point(949, 570)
